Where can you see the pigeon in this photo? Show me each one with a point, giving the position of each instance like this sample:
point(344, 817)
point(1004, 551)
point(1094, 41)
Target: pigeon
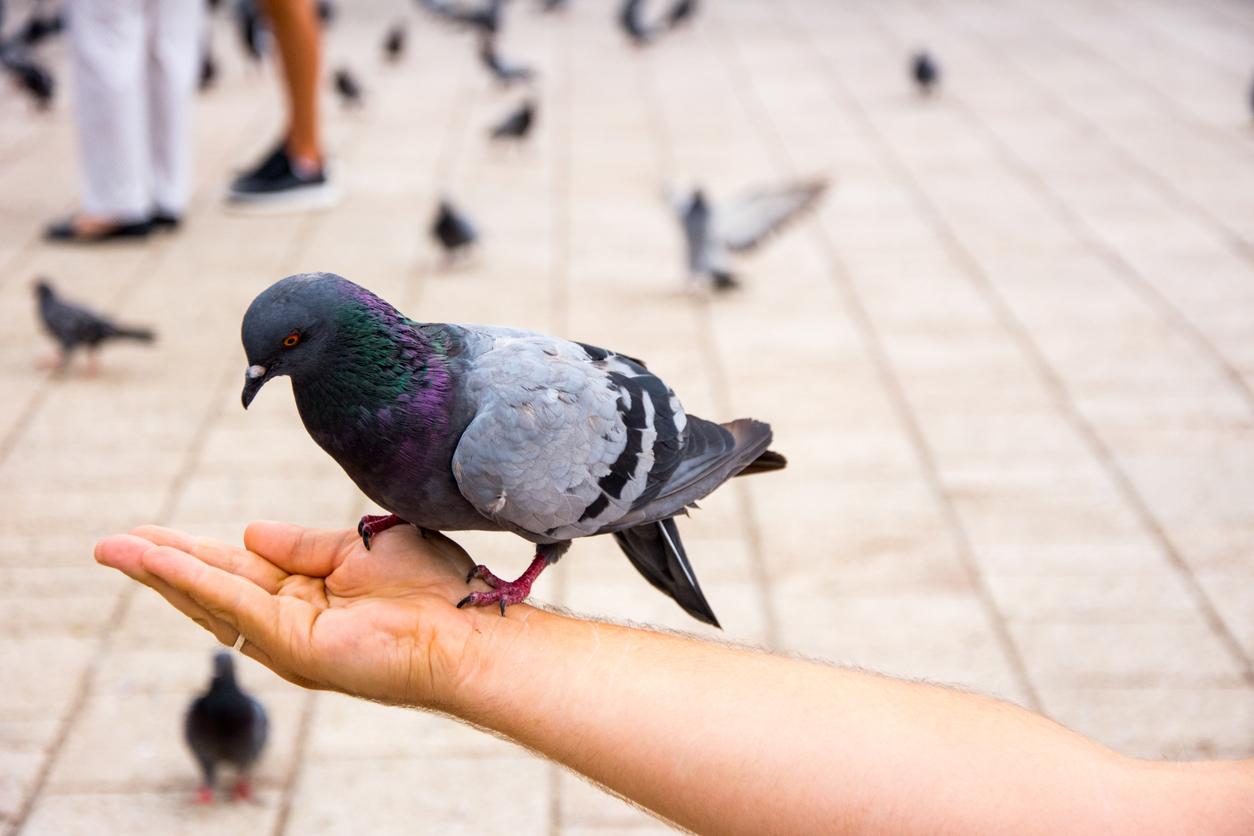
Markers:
point(739, 225)
point(552, 5)
point(40, 27)
point(30, 76)
point(453, 231)
point(250, 27)
point(629, 18)
point(681, 13)
point(74, 326)
point(518, 124)
point(394, 43)
point(486, 18)
point(225, 726)
point(503, 71)
point(326, 12)
point(348, 88)
point(208, 69)
point(469, 427)
point(925, 72)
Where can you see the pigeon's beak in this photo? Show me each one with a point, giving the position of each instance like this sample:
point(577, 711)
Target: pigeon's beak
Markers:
point(254, 378)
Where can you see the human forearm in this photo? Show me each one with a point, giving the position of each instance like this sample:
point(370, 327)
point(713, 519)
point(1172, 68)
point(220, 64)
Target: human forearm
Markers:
point(721, 739)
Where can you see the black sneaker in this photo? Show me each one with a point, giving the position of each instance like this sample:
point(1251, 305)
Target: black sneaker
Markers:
point(276, 185)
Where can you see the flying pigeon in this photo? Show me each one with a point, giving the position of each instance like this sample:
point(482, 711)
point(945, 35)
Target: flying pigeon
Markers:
point(348, 88)
point(681, 13)
point(394, 43)
point(738, 225)
point(225, 726)
point(518, 124)
point(74, 326)
point(452, 230)
point(501, 70)
point(925, 72)
point(467, 427)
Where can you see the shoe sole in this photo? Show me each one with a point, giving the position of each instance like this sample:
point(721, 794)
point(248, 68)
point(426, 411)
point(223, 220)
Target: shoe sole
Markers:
point(308, 199)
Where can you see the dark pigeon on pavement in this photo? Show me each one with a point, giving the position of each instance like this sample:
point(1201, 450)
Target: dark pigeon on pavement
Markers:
point(29, 75)
point(74, 326)
point(468, 427)
point(208, 69)
point(251, 29)
point(454, 232)
point(925, 72)
point(518, 124)
point(347, 87)
point(739, 225)
point(682, 12)
point(484, 18)
point(394, 43)
point(225, 727)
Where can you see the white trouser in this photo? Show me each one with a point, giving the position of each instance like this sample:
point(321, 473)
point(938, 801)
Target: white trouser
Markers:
point(135, 68)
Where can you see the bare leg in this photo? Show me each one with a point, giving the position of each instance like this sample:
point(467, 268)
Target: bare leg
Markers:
point(299, 36)
point(372, 524)
point(503, 592)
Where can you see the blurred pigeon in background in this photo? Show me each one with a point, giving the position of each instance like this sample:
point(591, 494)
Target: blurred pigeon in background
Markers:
point(40, 26)
point(552, 5)
point(629, 18)
point(518, 124)
point(452, 230)
point(682, 12)
point(208, 69)
point(225, 727)
point(485, 18)
point(737, 225)
point(501, 70)
point(394, 43)
point(29, 75)
point(326, 12)
point(452, 427)
point(250, 27)
point(925, 72)
point(347, 87)
point(75, 326)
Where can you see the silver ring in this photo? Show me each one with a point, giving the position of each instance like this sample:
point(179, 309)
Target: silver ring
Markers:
point(239, 643)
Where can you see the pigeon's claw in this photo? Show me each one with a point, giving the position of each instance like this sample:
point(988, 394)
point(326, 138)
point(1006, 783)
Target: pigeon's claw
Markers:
point(372, 524)
point(204, 795)
point(243, 790)
point(504, 593)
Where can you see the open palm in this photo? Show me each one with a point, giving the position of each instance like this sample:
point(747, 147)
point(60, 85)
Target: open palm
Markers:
point(318, 608)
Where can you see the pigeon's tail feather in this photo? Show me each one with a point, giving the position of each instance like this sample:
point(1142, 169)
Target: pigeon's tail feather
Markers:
point(126, 332)
point(658, 554)
point(768, 461)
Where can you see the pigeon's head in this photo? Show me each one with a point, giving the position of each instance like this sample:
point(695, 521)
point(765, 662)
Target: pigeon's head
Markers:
point(223, 667)
point(289, 326)
point(43, 290)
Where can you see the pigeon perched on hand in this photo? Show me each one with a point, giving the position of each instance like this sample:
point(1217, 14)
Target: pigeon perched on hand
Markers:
point(518, 124)
point(394, 43)
point(737, 225)
point(467, 427)
point(501, 70)
point(348, 88)
point(75, 326)
point(225, 727)
point(925, 72)
point(454, 232)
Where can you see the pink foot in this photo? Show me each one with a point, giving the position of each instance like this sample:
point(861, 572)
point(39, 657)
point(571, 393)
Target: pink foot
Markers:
point(243, 790)
point(372, 524)
point(204, 795)
point(503, 592)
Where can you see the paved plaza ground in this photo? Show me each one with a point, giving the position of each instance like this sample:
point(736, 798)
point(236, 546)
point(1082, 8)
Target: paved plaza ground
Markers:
point(1011, 360)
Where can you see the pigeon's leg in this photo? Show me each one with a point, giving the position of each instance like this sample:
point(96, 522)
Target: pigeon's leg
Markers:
point(55, 361)
point(204, 795)
point(243, 790)
point(93, 363)
point(372, 524)
point(503, 592)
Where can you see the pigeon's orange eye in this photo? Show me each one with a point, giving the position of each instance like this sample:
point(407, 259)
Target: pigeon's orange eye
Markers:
point(291, 340)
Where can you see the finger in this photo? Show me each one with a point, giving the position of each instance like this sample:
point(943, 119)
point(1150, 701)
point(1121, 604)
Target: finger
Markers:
point(301, 551)
point(240, 603)
point(125, 552)
point(229, 558)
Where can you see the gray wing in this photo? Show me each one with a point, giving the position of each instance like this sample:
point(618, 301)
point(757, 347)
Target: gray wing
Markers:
point(567, 439)
point(72, 324)
point(747, 221)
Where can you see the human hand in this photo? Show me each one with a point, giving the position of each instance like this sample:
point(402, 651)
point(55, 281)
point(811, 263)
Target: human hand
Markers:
point(320, 610)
